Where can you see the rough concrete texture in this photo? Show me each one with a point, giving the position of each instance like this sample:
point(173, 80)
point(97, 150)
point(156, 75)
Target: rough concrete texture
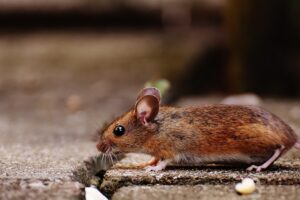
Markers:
point(39, 189)
point(205, 192)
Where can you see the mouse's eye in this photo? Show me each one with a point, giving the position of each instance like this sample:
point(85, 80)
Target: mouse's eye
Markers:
point(119, 130)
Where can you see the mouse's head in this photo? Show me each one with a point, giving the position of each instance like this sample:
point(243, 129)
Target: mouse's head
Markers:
point(130, 131)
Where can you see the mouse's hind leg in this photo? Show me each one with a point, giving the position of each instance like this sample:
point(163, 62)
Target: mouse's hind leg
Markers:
point(265, 165)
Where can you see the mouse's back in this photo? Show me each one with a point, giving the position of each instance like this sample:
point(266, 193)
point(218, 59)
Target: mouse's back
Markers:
point(225, 130)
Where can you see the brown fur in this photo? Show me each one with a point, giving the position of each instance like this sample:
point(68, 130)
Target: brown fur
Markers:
point(216, 132)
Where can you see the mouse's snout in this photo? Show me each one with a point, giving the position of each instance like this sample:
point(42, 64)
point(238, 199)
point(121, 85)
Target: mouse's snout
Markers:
point(104, 146)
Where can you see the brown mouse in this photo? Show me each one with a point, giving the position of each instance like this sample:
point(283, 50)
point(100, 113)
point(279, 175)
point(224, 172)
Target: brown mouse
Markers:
point(206, 134)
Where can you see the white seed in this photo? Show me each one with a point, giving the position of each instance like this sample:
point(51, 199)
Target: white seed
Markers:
point(247, 186)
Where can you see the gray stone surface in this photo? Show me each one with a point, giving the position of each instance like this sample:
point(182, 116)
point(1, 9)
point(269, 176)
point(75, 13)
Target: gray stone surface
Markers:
point(205, 192)
point(42, 150)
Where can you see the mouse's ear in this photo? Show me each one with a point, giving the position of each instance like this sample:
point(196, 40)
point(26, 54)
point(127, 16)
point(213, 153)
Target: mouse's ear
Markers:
point(147, 105)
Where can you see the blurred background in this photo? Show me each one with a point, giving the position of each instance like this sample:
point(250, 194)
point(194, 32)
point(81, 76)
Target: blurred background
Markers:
point(77, 54)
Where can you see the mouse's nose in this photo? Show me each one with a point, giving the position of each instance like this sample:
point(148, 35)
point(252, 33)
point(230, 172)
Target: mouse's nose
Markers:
point(103, 146)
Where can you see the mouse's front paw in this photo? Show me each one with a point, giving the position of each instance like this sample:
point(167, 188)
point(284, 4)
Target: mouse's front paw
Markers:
point(153, 168)
point(160, 166)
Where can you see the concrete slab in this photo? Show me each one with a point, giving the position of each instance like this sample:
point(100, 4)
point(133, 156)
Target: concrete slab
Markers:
point(204, 192)
point(38, 156)
point(278, 174)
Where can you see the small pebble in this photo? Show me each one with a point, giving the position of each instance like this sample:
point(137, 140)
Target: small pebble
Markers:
point(295, 112)
point(242, 99)
point(74, 103)
point(37, 185)
point(247, 186)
